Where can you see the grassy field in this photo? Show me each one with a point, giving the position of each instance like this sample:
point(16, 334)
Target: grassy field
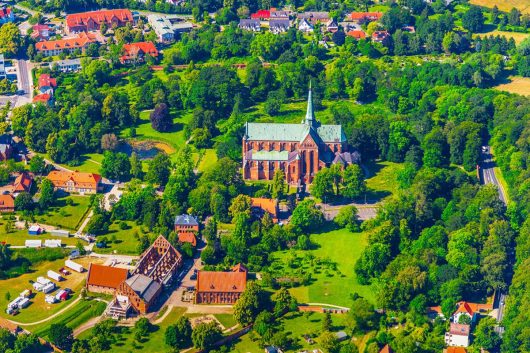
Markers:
point(19, 237)
point(39, 309)
point(516, 84)
point(517, 37)
point(295, 325)
point(382, 181)
point(154, 343)
point(292, 112)
point(64, 215)
point(125, 241)
point(207, 160)
point(505, 5)
point(331, 266)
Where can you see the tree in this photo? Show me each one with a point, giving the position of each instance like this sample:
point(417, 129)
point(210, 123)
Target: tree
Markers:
point(327, 323)
point(435, 149)
point(306, 216)
point(473, 19)
point(178, 336)
point(278, 184)
point(37, 165)
point(136, 166)
point(284, 302)
point(252, 301)
point(141, 328)
point(98, 224)
point(274, 101)
point(109, 142)
point(348, 218)
point(322, 186)
point(205, 335)
point(485, 335)
point(353, 184)
point(47, 194)
point(159, 169)
point(24, 202)
point(160, 118)
point(5, 256)
point(362, 316)
point(116, 166)
point(329, 342)
point(241, 204)
point(116, 110)
point(10, 39)
point(61, 335)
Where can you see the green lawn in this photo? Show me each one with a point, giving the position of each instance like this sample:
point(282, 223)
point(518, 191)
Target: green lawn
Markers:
point(207, 160)
point(332, 268)
point(19, 237)
point(154, 343)
point(291, 112)
point(64, 215)
point(295, 325)
point(383, 179)
point(125, 241)
point(227, 320)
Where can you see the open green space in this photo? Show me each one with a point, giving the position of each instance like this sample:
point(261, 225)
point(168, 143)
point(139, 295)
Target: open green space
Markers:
point(67, 212)
point(330, 266)
point(89, 163)
point(227, 320)
point(382, 180)
point(122, 241)
point(207, 159)
point(20, 236)
point(296, 325)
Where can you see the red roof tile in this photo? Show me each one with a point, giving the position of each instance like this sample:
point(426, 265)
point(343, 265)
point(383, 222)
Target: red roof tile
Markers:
point(224, 282)
point(22, 183)
point(187, 237)
point(357, 34)
point(372, 16)
point(98, 17)
point(43, 98)
point(7, 201)
point(106, 276)
point(45, 80)
point(261, 14)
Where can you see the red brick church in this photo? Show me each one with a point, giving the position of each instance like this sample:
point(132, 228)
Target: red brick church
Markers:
point(300, 150)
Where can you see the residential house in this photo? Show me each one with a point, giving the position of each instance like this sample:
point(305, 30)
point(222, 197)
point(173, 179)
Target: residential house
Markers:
point(305, 26)
point(365, 17)
point(22, 183)
point(6, 15)
point(261, 205)
point(47, 84)
point(455, 350)
point(136, 52)
point(83, 183)
point(279, 15)
point(187, 237)
point(250, 25)
point(92, 21)
point(186, 223)
point(6, 147)
point(41, 32)
point(458, 335)
point(314, 17)
point(357, 34)
point(67, 45)
point(433, 312)
point(279, 26)
point(332, 26)
point(471, 310)
point(409, 29)
point(7, 203)
point(220, 287)
point(261, 15)
point(168, 28)
point(67, 65)
point(105, 279)
point(386, 349)
point(380, 37)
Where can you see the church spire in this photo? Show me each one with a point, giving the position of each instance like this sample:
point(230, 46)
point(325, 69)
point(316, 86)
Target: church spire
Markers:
point(309, 115)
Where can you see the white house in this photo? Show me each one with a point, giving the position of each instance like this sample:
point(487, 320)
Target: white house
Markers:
point(305, 26)
point(458, 335)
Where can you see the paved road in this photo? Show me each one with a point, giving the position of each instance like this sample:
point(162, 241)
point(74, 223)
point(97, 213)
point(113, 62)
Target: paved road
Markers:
point(487, 172)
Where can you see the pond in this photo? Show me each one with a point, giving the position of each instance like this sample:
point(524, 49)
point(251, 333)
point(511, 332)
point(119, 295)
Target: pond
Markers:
point(145, 149)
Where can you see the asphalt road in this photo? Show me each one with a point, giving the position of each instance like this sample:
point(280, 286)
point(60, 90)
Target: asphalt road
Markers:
point(23, 77)
point(487, 172)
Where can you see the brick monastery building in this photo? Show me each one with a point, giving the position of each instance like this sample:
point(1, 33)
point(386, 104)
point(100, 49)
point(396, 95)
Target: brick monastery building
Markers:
point(300, 150)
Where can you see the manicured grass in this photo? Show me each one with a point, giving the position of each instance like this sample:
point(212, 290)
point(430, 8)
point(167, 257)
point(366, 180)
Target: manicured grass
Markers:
point(207, 160)
point(227, 320)
point(296, 325)
point(383, 179)
point(90, 163)
point(505, 5)
point(291, 112)
point(63, 215)
point(332, 268)
point(19, 237)
point(73, 318)
point(517, 85)
point(125, 241)
point(154, 343)
point(39, 309)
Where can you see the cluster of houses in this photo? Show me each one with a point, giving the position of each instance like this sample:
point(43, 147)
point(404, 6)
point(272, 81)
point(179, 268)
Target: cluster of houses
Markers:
point(21, 183)
point(46, 87)
point(6, 15)
point(279, 21)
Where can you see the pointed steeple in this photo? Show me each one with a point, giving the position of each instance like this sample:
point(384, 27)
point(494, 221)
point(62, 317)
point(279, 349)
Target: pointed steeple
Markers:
point(309, 115)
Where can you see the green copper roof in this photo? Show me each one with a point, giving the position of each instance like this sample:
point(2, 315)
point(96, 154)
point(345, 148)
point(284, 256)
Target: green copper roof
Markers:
point(270, 156)
point(292, 132)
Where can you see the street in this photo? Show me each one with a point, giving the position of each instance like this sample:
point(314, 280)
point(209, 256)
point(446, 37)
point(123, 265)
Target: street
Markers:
point(487, 172)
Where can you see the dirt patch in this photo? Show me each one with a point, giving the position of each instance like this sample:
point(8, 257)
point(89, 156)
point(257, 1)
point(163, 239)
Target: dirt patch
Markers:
point(505, 5)
point(517, 37)
point(205, 320)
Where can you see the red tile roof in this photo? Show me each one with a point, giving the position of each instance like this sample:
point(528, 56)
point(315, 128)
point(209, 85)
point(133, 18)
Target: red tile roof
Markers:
point(456, 350)
point(268, 205)
point(70, 43)
point(106, 276)
point(42, 98)
point(7, 201)
point(22, 183)
point(380, 35)
point(141, 48)
point(79, 19)
point(59, 178)
point(221, 282)
point(372, 16)
point(5, 12)
point(45, 80)
point(459, 329)
point(187, 237)
point(386, 349)
point(239, 268)
point(261, 14)
point(357, 34)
